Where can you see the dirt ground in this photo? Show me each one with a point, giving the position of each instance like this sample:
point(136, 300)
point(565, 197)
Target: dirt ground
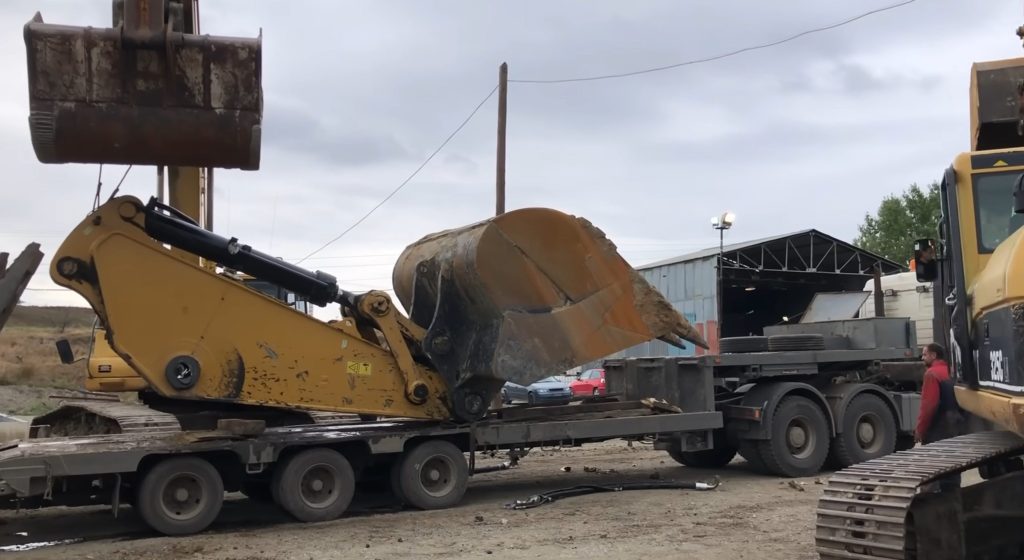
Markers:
point(748, 516)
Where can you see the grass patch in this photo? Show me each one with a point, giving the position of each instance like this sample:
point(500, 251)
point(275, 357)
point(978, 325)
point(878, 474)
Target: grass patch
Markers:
point(28, 352)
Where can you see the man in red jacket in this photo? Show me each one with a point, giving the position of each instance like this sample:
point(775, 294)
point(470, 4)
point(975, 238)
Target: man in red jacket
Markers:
point(939, 417)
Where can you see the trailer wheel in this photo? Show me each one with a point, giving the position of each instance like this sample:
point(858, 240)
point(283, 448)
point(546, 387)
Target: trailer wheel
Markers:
point(869, 431)
point(314, 485)
point(180, 496)
point(433, 475)
point(799, 440)
point(396, 481)
point(258, 491)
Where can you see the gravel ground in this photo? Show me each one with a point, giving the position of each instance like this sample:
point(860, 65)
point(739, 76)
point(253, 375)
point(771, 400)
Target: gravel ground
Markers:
point(747, 516)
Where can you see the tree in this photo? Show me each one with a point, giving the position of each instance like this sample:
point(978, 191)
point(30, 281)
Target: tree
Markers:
point(900, 219)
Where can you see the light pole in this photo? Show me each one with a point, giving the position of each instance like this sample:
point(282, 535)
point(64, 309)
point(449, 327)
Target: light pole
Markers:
point(721, 223)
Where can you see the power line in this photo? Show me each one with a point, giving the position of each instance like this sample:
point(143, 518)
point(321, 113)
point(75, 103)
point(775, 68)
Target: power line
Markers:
point(407, 179)
point(720, 56)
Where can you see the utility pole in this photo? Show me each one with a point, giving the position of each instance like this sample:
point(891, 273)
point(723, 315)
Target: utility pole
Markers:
point(502, 110)
point(499, 200)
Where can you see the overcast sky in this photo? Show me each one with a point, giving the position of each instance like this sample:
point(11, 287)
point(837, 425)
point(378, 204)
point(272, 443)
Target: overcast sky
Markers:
point(809, 134)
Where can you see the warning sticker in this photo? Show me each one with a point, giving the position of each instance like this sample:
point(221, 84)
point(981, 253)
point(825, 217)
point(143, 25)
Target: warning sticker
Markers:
point(359, 368)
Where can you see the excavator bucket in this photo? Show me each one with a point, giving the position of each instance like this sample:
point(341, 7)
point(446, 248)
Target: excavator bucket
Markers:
point(143, 92)
point(525, 295)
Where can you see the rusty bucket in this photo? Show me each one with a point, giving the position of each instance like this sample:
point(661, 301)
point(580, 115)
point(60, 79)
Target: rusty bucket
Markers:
point(143, 93)
point(525, 295)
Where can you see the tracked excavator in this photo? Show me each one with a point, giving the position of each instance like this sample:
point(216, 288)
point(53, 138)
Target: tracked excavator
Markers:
point(510, 298)
point(889, 507)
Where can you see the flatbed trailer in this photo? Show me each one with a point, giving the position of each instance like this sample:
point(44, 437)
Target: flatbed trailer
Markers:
point(176, 479)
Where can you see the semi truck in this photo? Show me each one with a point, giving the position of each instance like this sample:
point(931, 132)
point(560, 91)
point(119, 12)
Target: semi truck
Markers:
point(799, 398)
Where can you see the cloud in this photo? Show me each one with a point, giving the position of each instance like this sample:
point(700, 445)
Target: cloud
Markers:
point(812, 133)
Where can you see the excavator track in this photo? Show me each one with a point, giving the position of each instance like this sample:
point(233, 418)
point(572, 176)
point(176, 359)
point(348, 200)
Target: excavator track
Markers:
point(92, 417)
point(862, 513)
point(84, 416)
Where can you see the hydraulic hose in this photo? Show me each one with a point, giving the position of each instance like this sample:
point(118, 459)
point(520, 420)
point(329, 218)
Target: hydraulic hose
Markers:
point(554, 495)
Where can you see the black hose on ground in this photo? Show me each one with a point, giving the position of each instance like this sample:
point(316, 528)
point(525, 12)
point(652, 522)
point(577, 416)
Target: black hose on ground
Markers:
point(548, 497)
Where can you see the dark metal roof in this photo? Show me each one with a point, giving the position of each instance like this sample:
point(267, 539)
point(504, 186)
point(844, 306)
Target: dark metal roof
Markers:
point(803, 251)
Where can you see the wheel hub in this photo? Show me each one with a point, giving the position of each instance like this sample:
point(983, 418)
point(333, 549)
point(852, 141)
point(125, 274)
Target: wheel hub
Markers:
point(865, 433)
point(318, 486)
point(183, 497)
point(437, 476)
point(797, 436)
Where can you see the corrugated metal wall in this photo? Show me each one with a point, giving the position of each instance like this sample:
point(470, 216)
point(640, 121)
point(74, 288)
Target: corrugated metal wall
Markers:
point(691, 288)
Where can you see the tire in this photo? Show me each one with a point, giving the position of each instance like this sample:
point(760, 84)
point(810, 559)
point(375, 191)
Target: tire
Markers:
point(799, 440)
point(180, 496)
point(750, 451)
point(433, 475)
point(258, 491)
point(869, 431)
point(396, 482)
point(597, 392)
point(530, 399)
point(790, 342)
point(714, 458)
point(504, 397)
point(743, 344)
point(904, 442)
point(314, 485)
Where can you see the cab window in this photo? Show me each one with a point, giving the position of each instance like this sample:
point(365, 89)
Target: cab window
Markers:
point(993, 207)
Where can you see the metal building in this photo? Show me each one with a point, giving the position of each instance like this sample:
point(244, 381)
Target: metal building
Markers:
point(763, 282)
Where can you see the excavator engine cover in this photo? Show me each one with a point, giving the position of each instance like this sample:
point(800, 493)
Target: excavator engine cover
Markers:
point(525, 295)
point(143, 92)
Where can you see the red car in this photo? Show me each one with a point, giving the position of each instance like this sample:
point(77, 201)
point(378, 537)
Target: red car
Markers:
point(590, 383)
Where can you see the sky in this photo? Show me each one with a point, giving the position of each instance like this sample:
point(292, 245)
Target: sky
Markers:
point(812, 133)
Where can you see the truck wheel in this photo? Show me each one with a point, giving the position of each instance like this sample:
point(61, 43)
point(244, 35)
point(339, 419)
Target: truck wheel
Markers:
point(799, 438)
point(314, 485)
point(904, 442)
point(433, 475)
point(180, 496)
point(714, 458)
point(869, 431)
point(750, 451)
